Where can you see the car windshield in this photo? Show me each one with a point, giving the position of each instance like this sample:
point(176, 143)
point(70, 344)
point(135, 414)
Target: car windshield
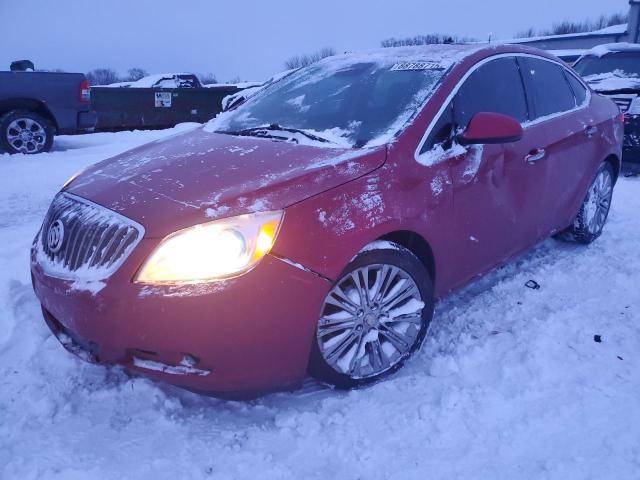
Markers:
point(624, 63)
point(347, 102)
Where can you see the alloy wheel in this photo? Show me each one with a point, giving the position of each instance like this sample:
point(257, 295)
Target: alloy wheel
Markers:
point(598, 202)
point(26, 135)
point(371, 320)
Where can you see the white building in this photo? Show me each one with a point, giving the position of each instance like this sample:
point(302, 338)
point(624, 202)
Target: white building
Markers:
point(574, 44)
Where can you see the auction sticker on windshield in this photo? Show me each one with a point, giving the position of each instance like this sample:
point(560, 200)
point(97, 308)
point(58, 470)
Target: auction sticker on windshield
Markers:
point(408, 66)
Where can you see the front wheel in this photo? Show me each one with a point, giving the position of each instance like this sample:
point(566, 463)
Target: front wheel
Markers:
point(373, 318)
point(593, 214)
point(22, 131)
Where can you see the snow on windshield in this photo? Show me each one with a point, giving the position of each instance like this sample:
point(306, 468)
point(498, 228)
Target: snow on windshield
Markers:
point(350, 100)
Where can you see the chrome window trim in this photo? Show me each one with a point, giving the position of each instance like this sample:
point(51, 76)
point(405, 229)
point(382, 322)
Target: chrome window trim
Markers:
point(525, 125)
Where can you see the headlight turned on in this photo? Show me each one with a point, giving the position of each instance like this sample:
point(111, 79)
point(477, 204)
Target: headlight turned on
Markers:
point(212, 251)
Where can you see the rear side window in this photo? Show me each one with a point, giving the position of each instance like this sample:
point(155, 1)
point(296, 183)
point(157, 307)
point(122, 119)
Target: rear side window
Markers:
point(548, 86)
point(579, 90)
point(495, 87)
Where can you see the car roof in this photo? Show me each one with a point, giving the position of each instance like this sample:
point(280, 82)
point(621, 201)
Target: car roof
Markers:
point(445, 55)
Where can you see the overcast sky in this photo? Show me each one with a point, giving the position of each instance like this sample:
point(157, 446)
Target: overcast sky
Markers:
point(250, 38)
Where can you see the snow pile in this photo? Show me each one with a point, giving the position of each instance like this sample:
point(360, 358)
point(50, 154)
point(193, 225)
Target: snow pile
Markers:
point(512, 383)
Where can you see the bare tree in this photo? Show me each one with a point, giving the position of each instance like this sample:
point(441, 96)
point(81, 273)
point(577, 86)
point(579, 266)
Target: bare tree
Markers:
point(528, 33)
point(429, 39)
point(207, 78)
point(136, 73)
point(299, 61)
point(568, 27)
point(102, 76)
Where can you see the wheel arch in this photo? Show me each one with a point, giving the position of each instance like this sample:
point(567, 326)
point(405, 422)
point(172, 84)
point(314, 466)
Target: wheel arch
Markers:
point(616, 164)
point(29, 104)
point(418, 245)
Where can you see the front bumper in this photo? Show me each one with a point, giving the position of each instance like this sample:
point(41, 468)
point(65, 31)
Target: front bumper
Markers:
point(240, 336)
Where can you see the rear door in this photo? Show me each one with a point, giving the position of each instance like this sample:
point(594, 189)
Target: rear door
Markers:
point(563, 134)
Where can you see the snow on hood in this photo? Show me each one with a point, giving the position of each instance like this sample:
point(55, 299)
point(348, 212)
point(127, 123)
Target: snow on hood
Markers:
point(617, 80)
point(199, 176)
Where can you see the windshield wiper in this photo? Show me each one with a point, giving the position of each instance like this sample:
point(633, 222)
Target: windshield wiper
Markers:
point(266, 130)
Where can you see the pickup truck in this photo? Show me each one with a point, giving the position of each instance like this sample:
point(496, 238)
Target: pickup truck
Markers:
point(158, 101)
point(35, 106)
point(613, 70)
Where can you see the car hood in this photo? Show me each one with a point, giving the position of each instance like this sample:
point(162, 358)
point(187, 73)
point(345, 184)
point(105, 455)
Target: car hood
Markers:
point(612, 82)
point(196, 177)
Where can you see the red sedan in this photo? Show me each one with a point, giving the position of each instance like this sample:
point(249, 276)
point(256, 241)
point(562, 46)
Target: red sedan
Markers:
point(312, 228)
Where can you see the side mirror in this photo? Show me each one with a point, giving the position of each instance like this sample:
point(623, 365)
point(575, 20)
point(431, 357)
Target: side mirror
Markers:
point(491, 128)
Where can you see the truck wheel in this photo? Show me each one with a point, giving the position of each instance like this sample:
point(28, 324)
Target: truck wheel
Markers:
point(22, 131)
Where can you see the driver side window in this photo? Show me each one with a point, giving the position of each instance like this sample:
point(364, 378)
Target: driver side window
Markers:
point(494, 87)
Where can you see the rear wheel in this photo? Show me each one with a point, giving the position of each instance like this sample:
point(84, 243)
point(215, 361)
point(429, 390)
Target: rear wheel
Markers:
point(22, 131)
point(374, 317)
point(593, 214)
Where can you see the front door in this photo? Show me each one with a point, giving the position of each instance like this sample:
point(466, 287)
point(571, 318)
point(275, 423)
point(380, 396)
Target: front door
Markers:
point(496, 193)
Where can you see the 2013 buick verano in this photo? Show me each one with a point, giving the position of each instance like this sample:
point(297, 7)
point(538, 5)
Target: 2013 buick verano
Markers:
point(311, 229)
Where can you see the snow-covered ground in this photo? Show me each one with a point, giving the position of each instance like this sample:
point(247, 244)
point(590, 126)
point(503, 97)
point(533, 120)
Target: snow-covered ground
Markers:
point(511, 383)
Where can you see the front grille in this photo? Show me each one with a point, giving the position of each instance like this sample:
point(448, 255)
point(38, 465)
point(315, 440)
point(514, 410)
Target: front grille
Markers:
point(80, 239)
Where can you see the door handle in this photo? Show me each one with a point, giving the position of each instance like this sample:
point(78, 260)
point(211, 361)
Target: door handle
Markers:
point(591, 131)
point(535, 155)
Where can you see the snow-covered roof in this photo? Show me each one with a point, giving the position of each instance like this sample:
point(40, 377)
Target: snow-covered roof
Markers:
point(151, 80)
point(568, 53)
point(237, 85)
point(445, 55)
point(602, 50)
point(622, 28)
point(117, 85)
point(613, 30)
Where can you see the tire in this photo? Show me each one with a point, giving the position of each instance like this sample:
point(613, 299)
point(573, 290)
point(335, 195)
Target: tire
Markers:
point(22, 131)
point(372, 343)
point(594, 211)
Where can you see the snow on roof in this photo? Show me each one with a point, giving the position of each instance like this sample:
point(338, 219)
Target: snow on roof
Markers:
point(151, 80)
point(445, 55)
point(602, 50)
point(237, 85)
point(622, 28)
point(117, 85)
point(568, 53)
point(613, 30)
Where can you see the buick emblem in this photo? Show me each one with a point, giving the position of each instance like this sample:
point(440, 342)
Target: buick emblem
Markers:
point(55, 236)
